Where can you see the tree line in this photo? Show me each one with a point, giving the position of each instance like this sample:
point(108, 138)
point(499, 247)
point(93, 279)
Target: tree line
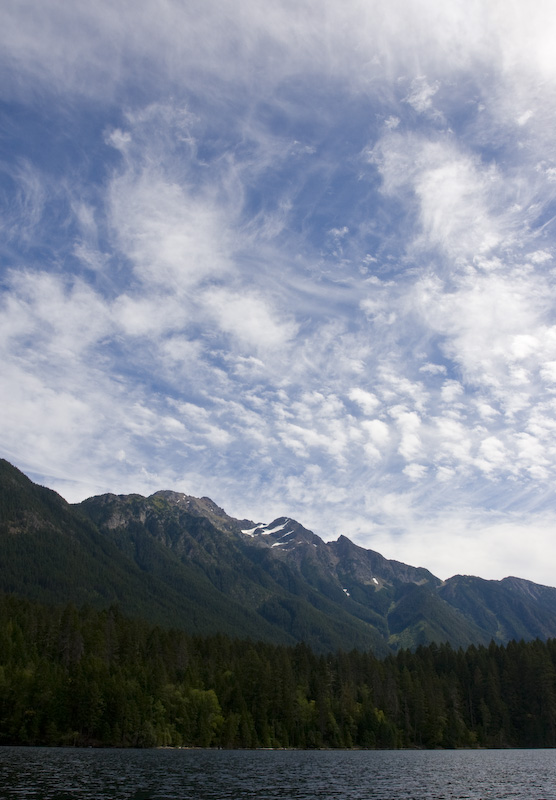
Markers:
point(85, 677)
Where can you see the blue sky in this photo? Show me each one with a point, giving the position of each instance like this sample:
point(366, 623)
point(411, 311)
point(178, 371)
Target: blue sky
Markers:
point(298, 257)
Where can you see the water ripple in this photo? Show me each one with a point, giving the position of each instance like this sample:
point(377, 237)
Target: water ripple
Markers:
point(70, 774)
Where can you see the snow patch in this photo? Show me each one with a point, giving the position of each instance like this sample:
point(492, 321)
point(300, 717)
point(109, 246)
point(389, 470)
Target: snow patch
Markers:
point(281, 541)
point(264, 530)
point(375, 581)
point(252, 531)
point(276, 529)
point(346, 591)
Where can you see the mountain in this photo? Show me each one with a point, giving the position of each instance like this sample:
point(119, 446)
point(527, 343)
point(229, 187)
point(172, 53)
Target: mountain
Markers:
point(52, 552)
point(182, 561)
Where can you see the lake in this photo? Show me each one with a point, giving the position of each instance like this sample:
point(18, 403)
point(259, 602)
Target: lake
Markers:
point(66, 774)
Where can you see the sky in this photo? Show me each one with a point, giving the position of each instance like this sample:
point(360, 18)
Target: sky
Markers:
point(297, 257)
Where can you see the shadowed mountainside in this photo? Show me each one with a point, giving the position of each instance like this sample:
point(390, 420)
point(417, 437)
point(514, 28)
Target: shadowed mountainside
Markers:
point(182, 561)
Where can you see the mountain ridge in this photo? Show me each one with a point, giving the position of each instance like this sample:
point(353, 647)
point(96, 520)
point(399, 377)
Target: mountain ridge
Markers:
point(183, 561)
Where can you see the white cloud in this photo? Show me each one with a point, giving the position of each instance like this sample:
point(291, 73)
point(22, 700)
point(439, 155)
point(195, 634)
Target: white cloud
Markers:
point(502, 545)
point(492, 454)
point(421, 94)
point(174, 240)
point(378, 431)
point(63, 317)
point(367, 401)
point(415, 471)
point(457, 195)
point(65, 46)
point(453, 443)
point(250, 318)
point(433, 369)
point(451, 390)
point(409, 424)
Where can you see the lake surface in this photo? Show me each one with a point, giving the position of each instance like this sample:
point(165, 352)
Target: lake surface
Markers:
point(67, 774)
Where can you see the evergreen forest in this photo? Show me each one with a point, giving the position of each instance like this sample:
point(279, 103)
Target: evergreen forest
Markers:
point(86, 677)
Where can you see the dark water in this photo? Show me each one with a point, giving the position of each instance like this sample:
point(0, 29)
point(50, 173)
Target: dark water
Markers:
point(67, 774)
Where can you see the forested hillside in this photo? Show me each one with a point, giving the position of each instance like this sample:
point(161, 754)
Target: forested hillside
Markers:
point(88, 677)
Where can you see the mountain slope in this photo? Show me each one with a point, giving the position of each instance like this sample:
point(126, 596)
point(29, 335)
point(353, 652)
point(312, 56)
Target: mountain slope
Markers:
point(512, 608)
point(182, 531)
point(182, 561)
point(52, 553)
point(401, 601)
